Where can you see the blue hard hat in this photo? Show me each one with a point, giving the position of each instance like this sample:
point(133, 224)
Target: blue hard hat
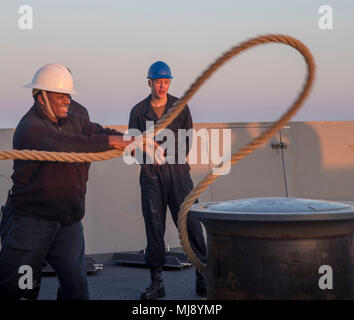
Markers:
point(159, 70)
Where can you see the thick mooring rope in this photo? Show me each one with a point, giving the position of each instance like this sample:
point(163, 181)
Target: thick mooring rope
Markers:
point(59, 156)
point(255, 143)
point(172, 114)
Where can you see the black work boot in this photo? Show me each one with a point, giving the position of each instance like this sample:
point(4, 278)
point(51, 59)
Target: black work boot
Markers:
point(156, 289)
point(59, 295)
point(200, 284)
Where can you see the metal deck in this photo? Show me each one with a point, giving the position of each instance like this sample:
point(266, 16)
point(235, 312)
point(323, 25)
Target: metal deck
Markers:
point(119, 282)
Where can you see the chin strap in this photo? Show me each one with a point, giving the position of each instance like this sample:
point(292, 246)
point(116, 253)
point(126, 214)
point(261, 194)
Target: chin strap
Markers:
point(48, 106)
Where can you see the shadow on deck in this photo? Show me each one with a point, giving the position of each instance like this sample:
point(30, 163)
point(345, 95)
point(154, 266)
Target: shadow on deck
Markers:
point(119, 282)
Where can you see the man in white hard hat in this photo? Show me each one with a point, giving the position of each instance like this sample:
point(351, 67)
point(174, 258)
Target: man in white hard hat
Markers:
point(7, 214)
point(48, 198)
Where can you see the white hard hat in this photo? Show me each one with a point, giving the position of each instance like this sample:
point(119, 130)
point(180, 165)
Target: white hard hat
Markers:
point(53, 77)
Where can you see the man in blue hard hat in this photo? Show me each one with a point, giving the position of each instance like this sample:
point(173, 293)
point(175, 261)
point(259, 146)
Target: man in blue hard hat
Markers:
point(164, 185)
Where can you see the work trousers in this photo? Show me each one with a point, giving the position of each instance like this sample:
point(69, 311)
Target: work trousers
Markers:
point(31, 241)
point(162, 186)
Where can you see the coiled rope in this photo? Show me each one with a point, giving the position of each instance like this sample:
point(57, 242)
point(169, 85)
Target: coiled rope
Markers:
point(172, 114)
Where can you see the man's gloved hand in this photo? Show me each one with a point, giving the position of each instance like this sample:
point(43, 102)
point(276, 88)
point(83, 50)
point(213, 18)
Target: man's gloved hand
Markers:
point(148, 145)
point(117, 142)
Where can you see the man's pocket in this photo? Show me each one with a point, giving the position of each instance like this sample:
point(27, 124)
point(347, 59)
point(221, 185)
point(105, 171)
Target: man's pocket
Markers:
point(27, 233)
point(6, 219)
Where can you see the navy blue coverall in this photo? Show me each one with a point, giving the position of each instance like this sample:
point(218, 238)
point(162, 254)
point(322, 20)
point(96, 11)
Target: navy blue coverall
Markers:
point(165, 185)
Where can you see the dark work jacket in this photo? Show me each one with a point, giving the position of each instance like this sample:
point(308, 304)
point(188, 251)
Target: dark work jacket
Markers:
point(55, 190)
point(143, 112)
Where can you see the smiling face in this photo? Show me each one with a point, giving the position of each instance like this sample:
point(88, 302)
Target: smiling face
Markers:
point(159, 87)
point(59, 102)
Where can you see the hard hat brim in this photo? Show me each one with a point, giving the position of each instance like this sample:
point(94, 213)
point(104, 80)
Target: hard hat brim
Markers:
point(30, 85)
point(160, 77)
